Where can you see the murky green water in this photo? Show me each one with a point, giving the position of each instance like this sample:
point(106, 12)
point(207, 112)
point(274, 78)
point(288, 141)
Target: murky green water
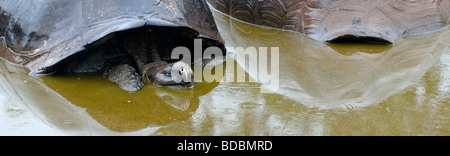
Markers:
point(325, 89)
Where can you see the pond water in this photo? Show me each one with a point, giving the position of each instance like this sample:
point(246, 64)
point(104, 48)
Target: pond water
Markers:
point(324, 89)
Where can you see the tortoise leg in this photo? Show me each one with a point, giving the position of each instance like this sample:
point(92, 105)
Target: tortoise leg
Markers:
point(125, 76)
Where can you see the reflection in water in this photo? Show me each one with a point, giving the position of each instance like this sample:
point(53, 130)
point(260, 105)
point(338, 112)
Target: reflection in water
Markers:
point(338, 76)
point(123, 111)
point(29, 107)
point(402, 89)
point(179, 99)
point(349, 49)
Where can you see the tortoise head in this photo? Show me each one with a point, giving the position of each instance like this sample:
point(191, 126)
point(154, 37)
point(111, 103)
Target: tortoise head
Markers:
point(178, 75)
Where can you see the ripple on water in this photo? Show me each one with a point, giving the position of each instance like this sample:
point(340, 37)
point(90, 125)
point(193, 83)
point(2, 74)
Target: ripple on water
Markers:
point(249, 105)
point(198, 117)
point(290, 132)
point(229, 111)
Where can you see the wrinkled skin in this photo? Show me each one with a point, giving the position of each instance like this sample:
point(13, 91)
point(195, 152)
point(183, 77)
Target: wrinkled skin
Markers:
point(326, 20)
point(146, 48)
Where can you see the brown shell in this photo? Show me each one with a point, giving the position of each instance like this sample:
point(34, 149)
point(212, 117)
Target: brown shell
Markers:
point(40, 34)
point(325, 20)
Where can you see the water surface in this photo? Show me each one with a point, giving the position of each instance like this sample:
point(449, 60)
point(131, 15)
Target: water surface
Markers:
point(325, 89)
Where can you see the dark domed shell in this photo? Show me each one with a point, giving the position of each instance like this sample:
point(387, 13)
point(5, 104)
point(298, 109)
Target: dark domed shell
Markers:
point(39, 34)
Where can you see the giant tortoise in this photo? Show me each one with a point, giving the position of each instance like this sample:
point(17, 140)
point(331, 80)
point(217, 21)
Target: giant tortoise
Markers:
point(130, 41)
point(380, 21)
